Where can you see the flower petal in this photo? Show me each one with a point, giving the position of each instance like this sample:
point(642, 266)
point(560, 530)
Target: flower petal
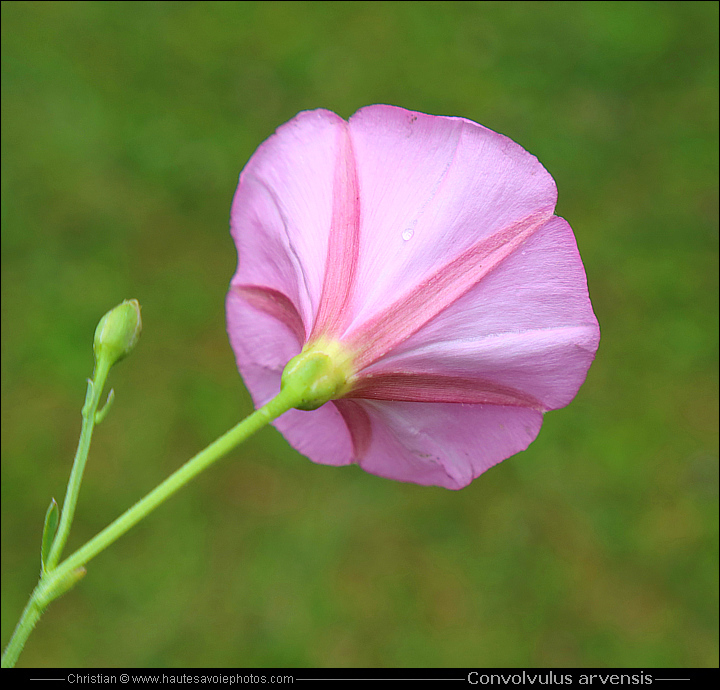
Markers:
point(431, 188)
point(445, 445)
point(343, 245)
point(282, 211)
point(528, 325)
point(263, 344)
point(423, 302)
point(275, 304)
point(322, 435)
point(432, 387)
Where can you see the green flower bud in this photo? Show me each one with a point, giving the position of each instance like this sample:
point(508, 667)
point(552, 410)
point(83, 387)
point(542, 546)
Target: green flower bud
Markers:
point(118, 332)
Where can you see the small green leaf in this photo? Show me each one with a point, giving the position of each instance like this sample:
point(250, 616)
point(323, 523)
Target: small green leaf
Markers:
point(88, 397)
point(49, 529)
point(101, 414)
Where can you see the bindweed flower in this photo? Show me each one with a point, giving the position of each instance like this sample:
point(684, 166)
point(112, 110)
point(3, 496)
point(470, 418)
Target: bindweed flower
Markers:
point(414, 263)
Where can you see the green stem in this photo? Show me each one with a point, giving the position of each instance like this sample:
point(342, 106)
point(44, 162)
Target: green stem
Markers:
point(52, 583)
point(30, 616)
point(92, 399)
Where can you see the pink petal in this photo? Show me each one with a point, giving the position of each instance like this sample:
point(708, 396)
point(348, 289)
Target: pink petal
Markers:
point(423, 302)
point(344, 243)
point(528, 325)
point(275, 304)
point(432, 387)
point(444, 444)
point(263, 344)
point(322, 435)
point(446, 184)
point(283, 208)
point(358, 424)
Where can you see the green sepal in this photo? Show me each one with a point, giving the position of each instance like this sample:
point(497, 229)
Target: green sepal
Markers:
point(320, 373)
point(49, 528)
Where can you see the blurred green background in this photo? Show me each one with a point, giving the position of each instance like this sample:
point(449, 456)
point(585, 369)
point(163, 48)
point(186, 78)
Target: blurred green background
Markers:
point(124, 128)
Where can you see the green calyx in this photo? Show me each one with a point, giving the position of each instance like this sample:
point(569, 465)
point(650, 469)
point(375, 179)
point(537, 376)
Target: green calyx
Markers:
point(320, 373)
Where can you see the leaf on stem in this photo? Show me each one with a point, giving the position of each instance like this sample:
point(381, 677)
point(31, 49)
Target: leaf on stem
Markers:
point(101, 414)
point(49, 529)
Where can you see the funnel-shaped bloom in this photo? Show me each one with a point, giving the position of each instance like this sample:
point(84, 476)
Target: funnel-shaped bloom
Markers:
point(422, 253)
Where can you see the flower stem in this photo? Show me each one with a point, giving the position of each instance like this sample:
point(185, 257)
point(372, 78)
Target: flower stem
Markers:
point(56, 581)
point(92, 399)
point(30, 615)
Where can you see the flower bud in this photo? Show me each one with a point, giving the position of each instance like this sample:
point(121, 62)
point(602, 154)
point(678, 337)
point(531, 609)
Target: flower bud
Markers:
point(118, 331)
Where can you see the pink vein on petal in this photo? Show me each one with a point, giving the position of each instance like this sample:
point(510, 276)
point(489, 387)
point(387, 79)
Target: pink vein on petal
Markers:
point(358, 424)
point(427, 387)
point(343, 243)
point(275, 304)
point(435, 293)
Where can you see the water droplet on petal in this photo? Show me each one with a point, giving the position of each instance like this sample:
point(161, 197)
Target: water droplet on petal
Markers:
point(407, 234)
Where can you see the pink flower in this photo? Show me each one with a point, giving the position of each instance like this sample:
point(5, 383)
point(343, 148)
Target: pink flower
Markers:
point(421, 253)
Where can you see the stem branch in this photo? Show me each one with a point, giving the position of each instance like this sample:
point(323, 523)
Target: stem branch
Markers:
point(52, 583)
